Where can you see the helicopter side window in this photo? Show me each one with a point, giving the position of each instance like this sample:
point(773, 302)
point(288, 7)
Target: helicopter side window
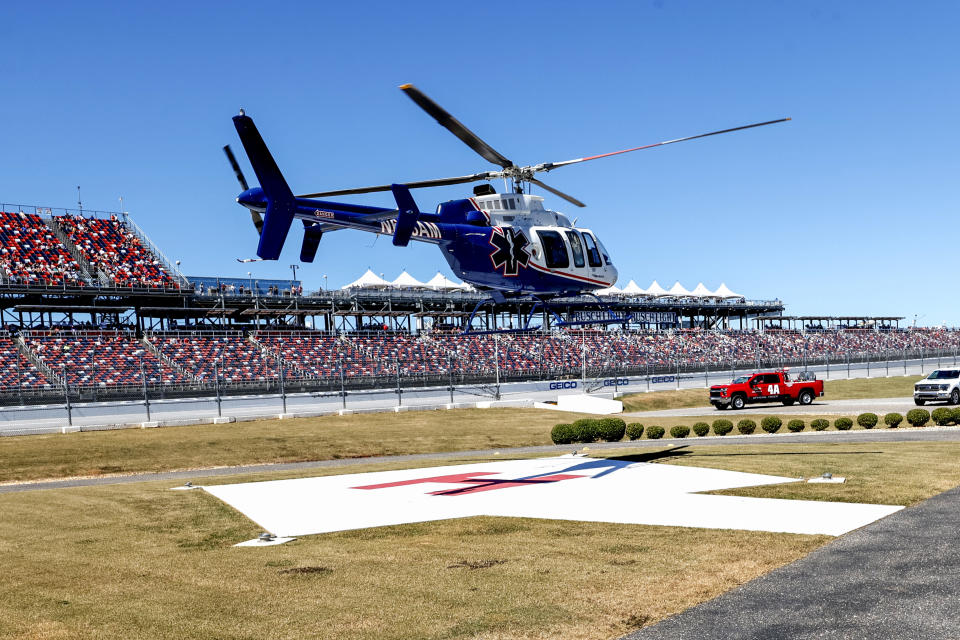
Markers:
point(554, 249)
point(593, 255)
point(577, 248)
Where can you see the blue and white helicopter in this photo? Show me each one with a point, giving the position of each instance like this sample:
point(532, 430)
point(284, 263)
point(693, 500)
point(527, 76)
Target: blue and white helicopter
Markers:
point(507, 244)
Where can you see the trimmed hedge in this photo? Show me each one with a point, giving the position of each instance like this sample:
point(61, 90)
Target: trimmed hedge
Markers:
point(918, 417)
point(722, 427)
point(746, 426)
point(867, 420)
point(654, 432)
point(611, 429)
point(956, 415)
point(634, 430)
point(585, 430)
point(819, 424)
point(771, 424)
point(843, 424)
point(796, 426)
point(562, 433)
point(942, 416)
point(701, 428)
point(892, 420)
point(679, 431)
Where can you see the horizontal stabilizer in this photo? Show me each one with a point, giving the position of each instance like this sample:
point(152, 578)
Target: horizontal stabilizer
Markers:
point(407, 215)
point(312, 233)
point(280, 201)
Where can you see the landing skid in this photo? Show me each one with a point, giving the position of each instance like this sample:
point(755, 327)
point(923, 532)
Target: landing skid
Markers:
point(541, 303)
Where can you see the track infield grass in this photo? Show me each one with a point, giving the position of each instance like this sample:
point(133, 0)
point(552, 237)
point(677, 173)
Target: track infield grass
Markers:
point(128, 451)
point(140, 561)
point(853, 389)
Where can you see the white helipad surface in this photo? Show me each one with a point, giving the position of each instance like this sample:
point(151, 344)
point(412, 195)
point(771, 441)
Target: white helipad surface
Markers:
point(560, 488)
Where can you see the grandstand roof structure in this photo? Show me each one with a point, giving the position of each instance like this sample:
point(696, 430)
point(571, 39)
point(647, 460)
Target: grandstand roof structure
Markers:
point(61, 266)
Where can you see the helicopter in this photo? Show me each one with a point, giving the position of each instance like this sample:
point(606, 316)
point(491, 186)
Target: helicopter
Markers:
point(506, 244)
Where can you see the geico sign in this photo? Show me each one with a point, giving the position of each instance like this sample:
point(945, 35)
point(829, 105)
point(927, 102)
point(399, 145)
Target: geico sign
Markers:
point(616, 382)
point(657, 379)
point(570, 384)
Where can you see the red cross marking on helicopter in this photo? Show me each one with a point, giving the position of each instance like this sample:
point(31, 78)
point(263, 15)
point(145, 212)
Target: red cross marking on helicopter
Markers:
point(477, 484)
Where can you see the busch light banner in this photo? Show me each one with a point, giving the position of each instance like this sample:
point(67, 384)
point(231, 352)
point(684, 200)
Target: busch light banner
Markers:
point(638, 317)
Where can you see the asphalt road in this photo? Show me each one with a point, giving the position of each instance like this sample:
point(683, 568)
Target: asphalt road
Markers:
point(879, 406)
point(897, 578)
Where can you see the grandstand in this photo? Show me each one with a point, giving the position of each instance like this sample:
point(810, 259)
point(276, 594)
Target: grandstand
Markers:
point(91, 307)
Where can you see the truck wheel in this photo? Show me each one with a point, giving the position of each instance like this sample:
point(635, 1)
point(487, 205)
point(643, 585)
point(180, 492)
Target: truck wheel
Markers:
point(919, 403)
point(737, 402)
point(955, 396)
point(787, 402)
point(806, 397)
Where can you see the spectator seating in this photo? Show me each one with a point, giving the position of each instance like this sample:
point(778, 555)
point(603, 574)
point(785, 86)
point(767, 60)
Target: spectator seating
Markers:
point(238, 358)
point(30, 253)
point(16, 370)
point(112, 248)
point(102, 358)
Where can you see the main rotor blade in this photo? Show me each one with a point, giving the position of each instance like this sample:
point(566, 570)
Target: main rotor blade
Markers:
point(236, 167)
point(549, 166)
point(556, 192)
point(439, 182)
point(455, 127)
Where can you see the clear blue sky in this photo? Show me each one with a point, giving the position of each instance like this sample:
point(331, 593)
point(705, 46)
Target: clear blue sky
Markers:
point(855, 198)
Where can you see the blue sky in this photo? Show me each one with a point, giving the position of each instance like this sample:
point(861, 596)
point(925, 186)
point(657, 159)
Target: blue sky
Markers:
point(854, 198)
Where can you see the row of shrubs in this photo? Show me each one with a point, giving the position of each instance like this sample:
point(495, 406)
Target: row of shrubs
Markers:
point(614, 429)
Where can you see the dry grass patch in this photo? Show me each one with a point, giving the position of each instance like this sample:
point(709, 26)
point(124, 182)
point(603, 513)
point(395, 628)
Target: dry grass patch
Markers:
point(324, 438)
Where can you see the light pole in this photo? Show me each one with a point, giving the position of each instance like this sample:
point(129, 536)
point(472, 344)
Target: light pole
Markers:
point(325, 282)
point(250, 277)
point(294, 268)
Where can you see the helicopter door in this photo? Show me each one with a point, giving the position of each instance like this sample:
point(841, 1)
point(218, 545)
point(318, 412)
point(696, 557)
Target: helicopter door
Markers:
point(554, 249)
point(576, 247)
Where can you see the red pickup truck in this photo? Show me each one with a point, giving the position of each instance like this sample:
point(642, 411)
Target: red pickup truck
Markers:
point(769, 386)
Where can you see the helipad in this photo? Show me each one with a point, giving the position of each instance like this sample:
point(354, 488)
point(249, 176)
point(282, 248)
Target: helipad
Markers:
point(561, 488)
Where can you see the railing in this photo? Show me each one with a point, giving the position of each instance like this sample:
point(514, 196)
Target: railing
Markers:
point(148, 243)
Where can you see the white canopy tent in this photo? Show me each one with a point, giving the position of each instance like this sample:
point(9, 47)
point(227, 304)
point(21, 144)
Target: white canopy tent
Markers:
point(678, 290)
point(407, 281)
point(724, 292)
point(701, 291)
point(368, 280)
point(442, 282)
point(633, 289)
point(655, 290)
point(609, 291)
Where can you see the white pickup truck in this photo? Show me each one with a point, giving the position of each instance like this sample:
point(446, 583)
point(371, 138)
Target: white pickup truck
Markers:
point(942, 384)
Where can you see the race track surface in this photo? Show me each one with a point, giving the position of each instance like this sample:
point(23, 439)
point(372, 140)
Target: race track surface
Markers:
point(897, 578)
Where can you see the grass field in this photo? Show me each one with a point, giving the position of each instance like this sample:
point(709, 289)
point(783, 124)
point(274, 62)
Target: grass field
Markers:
point(140, 561)
point(324, 438)
point(899, 387)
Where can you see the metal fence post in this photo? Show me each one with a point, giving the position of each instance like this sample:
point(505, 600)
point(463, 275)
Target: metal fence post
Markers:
point(146, 397)
point(496, 362)
point(904, 361)
point(826, 359)
point(450, 375)
point(19, 380)
point(343, 393)
point(921, 360)
point(280, 376)
point(66, 394)
point(399, 389)
point(678, 374)
point(216, 384)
